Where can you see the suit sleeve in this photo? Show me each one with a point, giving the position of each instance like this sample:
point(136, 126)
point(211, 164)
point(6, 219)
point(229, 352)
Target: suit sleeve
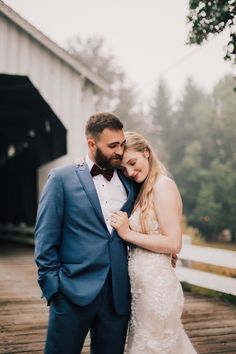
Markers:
point(48, 230)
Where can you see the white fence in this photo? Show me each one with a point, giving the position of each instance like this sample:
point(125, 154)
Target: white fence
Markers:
point(21, 234)
point(189, 253)
point(211, 256)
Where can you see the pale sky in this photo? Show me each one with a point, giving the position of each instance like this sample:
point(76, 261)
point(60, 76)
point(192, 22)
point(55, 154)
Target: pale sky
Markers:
point(146, 36)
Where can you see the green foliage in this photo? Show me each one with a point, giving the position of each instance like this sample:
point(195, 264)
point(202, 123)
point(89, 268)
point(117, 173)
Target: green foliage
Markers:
point(199, 138)
point(184, 119)
point(161, 114)
point(212, 181)
point(161, 109)
point(210, 18)
point(209, 293)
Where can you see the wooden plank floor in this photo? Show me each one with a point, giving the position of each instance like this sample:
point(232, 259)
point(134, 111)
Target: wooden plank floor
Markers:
point(211, 324)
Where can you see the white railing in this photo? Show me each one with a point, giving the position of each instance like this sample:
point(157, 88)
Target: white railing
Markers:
point(189, 253)
point(21, 234)
point(211, 256)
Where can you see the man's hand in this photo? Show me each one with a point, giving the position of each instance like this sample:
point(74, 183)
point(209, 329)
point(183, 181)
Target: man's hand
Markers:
point(174, 260)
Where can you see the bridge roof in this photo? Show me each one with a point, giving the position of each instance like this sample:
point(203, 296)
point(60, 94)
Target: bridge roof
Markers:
point(61, 53)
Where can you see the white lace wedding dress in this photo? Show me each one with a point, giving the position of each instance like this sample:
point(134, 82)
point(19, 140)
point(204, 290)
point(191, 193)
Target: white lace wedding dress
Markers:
point(157, 300)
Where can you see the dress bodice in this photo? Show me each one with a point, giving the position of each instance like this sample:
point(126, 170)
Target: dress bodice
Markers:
point(152, 223)
point(159, 259)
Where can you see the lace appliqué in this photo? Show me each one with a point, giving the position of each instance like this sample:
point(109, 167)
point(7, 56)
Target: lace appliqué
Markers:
point(157, 300)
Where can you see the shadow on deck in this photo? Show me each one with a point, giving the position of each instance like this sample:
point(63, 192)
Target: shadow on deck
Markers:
point(210, 323)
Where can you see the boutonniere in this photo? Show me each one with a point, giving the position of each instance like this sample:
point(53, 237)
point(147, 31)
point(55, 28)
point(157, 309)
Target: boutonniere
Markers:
point(80, 162)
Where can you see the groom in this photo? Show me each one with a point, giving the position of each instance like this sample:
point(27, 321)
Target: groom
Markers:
point(82, 263)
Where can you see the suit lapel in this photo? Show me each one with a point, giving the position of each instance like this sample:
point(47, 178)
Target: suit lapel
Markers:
point(86, 180)
point(90, 190)
point(128, 206)
point(128, 184)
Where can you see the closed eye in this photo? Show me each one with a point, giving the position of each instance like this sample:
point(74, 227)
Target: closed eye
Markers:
point(132, 162)
point(112, 146)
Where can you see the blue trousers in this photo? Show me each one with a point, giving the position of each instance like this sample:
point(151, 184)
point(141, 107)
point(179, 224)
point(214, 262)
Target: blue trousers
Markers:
point(69, 324)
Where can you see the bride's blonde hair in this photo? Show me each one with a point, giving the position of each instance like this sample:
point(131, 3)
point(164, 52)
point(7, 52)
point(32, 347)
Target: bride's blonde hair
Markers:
point(144, 201)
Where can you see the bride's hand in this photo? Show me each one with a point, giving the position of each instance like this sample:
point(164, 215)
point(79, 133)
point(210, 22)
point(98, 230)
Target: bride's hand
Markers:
point(119, 220)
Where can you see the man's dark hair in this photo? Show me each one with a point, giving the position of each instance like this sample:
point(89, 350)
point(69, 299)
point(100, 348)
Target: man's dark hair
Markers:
point(100, 121)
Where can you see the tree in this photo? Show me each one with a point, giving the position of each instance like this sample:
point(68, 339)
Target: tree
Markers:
point(215, 205)
point(189, 175)
point(201, 145)
point(161, 115)
point(92, 53)
point(224, 102)
point(184, 122)
point(128, 110)
point(161, 109)
point(121, 98)
point(209, 17)
point(206, 173)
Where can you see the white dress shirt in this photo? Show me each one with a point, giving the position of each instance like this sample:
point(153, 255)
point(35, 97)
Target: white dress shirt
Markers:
point(111, 194)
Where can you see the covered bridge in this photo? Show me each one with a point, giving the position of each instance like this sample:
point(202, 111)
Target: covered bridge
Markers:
point(46, 96)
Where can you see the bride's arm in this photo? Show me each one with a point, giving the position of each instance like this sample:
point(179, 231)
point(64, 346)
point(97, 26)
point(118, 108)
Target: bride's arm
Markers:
point(168, 207)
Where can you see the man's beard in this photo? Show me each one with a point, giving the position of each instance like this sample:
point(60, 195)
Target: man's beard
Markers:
point(107, 162)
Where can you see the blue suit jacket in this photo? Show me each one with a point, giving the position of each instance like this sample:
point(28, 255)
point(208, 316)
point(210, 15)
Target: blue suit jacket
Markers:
point(74, 250)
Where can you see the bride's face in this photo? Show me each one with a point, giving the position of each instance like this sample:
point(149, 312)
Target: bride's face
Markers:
point(135, 165)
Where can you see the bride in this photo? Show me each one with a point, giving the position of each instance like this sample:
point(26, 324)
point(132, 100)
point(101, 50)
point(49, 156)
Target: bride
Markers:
point(153, 233)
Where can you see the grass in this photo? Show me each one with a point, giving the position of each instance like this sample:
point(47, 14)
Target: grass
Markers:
point(209, 293)
point(222, 245)
point(198, 238)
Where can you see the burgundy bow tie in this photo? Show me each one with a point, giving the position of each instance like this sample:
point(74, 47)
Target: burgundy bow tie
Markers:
point(95, 170)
